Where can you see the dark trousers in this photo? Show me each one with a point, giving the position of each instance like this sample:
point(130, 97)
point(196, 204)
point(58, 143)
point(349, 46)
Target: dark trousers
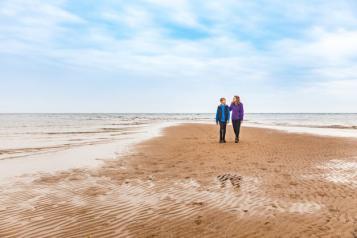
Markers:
point(236, 127)
point(222, 131)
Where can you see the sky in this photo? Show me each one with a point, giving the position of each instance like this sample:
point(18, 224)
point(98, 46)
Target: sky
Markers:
point(177, 55)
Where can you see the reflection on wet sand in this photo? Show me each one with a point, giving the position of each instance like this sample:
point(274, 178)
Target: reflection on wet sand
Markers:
point(179, 185)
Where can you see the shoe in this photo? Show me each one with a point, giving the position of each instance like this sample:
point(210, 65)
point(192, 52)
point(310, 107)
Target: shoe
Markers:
point(236, 141)
point(224, 141)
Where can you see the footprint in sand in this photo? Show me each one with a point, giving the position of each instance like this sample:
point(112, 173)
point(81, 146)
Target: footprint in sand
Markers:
point(197, 203)
point(292, 183)
point(198, 220)
point(233, 178)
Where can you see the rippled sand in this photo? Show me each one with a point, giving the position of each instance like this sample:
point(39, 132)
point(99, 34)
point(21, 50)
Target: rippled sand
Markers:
point(185, 184)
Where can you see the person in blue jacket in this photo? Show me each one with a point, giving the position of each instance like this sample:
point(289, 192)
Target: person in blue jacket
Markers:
point(222, 117)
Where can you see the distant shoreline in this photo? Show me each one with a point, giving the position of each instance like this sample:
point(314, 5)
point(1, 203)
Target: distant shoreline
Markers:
point(71, 143)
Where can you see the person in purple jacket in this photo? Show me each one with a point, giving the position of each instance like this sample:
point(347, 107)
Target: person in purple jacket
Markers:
point(237, 115)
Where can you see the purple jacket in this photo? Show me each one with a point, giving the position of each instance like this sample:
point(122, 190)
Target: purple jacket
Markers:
point(237, 111)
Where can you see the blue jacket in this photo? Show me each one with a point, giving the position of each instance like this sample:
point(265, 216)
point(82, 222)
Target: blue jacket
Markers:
point(222, 113)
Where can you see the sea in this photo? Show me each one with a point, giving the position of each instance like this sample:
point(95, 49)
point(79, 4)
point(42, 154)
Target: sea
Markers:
point(47, 143)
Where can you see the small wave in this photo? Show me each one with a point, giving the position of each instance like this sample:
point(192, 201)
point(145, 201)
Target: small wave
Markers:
point(23, 152)
point(306, 125)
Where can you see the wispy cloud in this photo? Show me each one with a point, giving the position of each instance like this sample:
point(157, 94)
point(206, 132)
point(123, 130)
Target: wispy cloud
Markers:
point(276, 50)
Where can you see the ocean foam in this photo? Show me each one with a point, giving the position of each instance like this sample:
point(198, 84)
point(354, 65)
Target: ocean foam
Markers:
point(87, 156)
point(334, 132)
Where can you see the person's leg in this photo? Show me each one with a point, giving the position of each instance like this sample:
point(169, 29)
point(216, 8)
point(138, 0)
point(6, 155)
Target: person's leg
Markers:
point(235, 125)
point(220, 132)
point(224, 131)
point(238, 128)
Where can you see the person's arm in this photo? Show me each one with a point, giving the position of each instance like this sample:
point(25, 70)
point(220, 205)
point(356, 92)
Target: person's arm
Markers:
point(231, 107)
point(229, 114)
point(242, 112)
point(217, 115)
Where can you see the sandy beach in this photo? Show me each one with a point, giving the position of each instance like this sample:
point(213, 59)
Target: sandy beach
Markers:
point(185, 184)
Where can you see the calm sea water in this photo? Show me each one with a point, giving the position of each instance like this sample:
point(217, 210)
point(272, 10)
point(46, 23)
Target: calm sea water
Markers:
point(49, 142)
point(319, 120)
point(19, 131)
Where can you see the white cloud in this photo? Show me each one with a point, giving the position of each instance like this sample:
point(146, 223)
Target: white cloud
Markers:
point(320, 45)
point(316, 61)
point(179, 11)
point(25, 25)
point(131, 16)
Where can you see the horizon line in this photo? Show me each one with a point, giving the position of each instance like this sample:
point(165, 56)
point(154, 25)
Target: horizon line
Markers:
point(173, 113)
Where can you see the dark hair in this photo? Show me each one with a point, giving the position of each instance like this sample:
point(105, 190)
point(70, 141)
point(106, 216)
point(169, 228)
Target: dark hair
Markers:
point(221, 99)
point(237, 98)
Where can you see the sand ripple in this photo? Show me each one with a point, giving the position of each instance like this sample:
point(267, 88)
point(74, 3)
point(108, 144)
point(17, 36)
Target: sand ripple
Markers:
point(173, 188)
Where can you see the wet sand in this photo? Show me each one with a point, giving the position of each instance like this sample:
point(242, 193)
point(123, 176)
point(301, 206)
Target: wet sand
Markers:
point(185, 184)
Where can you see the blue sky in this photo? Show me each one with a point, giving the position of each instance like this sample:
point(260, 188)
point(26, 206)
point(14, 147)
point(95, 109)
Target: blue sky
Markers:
point(177, 55)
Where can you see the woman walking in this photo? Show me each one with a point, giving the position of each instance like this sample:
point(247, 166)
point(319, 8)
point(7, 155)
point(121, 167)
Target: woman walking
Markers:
point(237, 115)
